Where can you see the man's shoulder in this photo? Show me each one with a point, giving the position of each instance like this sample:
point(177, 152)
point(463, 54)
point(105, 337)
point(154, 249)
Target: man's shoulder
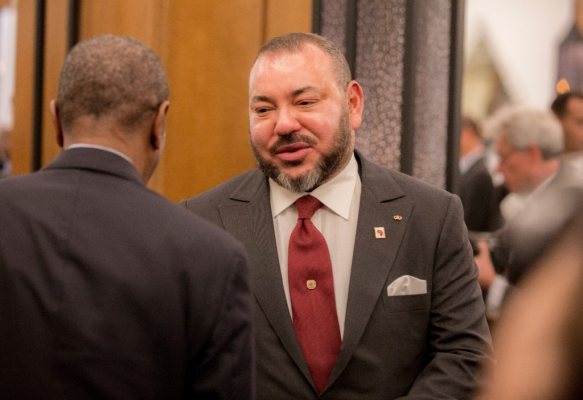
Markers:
point(413, 188)
point(239, 188)
point(477, 169)
point(157, 212)
point(11, 188)
point(477, 179)
point(569, 174)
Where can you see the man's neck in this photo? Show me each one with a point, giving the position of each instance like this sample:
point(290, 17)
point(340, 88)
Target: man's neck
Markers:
point(131, 146)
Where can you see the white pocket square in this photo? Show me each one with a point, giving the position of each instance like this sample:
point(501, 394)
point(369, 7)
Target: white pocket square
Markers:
point(407, 285)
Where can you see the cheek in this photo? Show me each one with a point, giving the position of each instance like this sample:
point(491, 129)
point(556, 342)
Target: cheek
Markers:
point(509, 171)
point(260, 135)
point(519, 175)
point(324, 127)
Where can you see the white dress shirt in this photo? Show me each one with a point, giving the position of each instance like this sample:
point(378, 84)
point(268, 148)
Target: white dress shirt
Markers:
point(336, 220)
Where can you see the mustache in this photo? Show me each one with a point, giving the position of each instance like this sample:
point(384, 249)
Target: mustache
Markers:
point(291, 139)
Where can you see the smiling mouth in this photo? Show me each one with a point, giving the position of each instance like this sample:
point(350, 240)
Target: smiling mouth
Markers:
point(291, 148)
point(292, 152)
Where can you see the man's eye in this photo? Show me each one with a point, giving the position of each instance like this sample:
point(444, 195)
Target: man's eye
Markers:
point(261, 110)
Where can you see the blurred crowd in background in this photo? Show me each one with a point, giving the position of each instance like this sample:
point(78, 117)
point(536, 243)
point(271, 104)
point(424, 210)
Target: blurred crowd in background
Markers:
point(522, 189)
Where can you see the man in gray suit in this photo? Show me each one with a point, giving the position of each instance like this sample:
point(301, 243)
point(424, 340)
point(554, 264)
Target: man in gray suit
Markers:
point(108, 290)
point(406, 301)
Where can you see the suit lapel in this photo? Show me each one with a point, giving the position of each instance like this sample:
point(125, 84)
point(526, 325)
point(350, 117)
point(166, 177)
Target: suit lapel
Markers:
point(251, 222)
point(373, 258)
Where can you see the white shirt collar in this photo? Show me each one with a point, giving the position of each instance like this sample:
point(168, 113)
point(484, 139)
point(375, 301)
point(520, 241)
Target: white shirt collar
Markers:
point(470, 158)
point(95, 146)
point(335, 194)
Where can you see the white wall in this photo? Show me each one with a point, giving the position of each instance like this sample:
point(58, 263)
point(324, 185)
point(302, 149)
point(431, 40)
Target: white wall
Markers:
point(523, 37)
point(7, 63)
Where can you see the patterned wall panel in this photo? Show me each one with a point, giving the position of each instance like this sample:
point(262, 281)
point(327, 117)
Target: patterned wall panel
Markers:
point(432, 84)
point(379, 69)
point(390, 56)
point(333, 21)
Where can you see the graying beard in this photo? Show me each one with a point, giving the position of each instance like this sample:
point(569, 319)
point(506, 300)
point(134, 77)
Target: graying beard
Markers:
point(300, 184)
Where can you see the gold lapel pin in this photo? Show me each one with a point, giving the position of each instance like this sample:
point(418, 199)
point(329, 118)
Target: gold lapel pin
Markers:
point(397, 217)
point(379, 232)
point(311, 284)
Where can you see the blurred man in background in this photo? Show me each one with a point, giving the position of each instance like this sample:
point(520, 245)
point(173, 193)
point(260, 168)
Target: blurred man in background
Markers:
point(539, 339)
point(568, 107)
point(529, 145)
point(477, 192)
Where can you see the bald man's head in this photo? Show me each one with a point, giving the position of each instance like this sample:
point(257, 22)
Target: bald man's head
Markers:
point(111, 76)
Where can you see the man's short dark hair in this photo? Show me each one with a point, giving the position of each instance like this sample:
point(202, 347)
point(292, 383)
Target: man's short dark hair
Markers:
point(559, 105)
point(294, 42)
point(111, 75)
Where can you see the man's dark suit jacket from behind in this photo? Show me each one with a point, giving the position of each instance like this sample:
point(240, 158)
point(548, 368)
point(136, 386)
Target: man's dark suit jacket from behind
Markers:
point(110, 291)
point(426, 346)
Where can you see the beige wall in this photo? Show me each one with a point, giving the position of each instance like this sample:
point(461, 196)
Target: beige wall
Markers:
point(207, 48)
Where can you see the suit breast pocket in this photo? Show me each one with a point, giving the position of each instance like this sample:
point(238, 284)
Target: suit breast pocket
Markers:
point(414, 302)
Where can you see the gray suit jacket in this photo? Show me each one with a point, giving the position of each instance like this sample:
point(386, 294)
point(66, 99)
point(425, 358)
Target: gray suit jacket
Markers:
point(110, 291)
point(425, 346)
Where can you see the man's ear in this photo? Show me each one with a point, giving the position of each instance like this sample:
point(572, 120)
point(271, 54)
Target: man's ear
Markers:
point(355, 97)
point(535, 152)
point(57, 122)
point(158, 134)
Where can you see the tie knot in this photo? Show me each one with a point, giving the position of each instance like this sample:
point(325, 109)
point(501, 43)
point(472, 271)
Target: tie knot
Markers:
point(307, 206)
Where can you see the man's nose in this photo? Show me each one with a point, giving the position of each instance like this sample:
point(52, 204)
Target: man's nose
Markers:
point(287, 122)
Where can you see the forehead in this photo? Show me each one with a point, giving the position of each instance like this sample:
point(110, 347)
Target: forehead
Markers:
point(307, 63)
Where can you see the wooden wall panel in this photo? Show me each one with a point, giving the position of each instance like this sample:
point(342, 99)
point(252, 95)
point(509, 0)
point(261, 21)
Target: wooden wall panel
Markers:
point(136, 18)
point(55, 52)
point(287, 16)
point(21, 151)
point(207, 48)
point(145, 20)
point(211, 48)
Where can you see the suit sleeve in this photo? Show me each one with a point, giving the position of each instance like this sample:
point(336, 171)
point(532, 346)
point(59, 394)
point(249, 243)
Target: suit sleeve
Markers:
point(458, 336)
point(226, 370)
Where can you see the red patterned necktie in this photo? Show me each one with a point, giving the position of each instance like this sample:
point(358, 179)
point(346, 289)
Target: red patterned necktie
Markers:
point(311, 288)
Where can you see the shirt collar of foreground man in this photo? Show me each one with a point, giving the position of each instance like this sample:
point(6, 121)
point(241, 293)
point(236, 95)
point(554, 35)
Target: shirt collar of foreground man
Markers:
point(333, 194)
point(430, 339)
